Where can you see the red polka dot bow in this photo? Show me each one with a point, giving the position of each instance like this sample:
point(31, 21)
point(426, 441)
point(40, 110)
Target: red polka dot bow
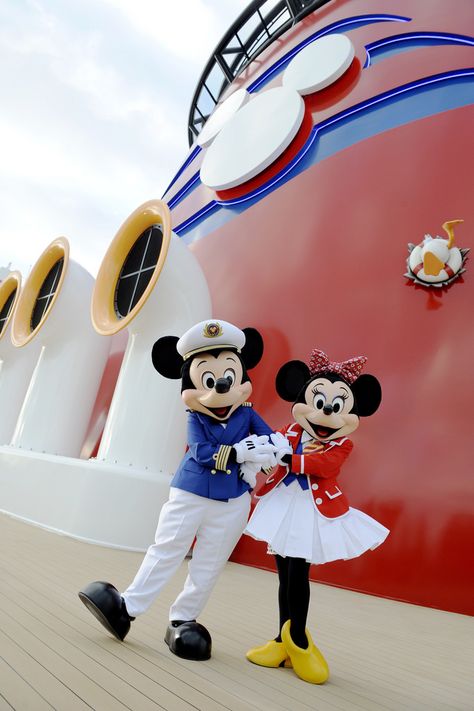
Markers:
point(347, 369)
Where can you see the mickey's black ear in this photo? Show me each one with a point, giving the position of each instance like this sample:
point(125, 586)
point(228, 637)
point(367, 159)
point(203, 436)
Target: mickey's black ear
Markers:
point(252, 351)
point(367, 392)
point(291, 379)
point(165, 357)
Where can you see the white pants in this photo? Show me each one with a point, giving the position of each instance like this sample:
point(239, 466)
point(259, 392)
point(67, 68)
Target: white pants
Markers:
point(216, 525)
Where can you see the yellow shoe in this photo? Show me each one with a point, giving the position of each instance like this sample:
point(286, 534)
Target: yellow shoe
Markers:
point(271, 654)
point(309, 664)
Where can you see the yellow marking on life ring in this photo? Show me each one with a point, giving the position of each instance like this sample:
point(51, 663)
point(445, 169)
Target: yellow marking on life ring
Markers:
point(431, 264)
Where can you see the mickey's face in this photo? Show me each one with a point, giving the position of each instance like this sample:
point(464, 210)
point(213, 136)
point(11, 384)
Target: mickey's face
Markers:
point(218, 388)
point(324, 409)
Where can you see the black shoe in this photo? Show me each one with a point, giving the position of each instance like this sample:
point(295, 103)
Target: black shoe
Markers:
point(189, 640)
point(108, 606)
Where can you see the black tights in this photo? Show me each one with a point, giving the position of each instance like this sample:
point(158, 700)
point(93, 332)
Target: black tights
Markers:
point(293, 597)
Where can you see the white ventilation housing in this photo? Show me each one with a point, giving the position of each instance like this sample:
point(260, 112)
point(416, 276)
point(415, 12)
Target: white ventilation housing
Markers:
point(151, 284)
point(16, 365)
point(145, 428)
point(53, 311)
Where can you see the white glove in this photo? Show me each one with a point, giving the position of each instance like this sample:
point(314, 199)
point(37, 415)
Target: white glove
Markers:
point(255, 448)
point(268, 460)
point(249, 471)
point(282, 446)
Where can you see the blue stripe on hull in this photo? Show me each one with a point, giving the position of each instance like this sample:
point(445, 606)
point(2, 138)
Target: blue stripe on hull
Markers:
point(398, 107)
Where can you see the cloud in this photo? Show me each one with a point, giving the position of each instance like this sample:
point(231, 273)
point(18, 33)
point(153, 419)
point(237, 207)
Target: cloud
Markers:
point(95, 97)
point(188, 28)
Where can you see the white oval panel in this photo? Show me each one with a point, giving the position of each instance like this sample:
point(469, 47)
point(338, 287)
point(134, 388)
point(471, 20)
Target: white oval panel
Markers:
point(319, 64)
point(221, 115)
point(253, 138)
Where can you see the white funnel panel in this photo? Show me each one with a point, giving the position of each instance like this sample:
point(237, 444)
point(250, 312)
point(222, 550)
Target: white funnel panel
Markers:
point(53, 310)
point(16, 365)
point(150, 282)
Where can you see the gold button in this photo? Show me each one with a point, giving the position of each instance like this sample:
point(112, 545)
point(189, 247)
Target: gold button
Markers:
point(213, 471)
point(229, 471)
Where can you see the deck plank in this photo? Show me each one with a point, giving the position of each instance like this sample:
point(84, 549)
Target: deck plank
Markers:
point(33, 673)
point(91, 692)
point(4, 705)
point(383, 655)
point(17, 691)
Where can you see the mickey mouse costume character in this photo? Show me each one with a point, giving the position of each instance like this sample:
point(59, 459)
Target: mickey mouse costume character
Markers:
point(302, 512)
point(209, 496)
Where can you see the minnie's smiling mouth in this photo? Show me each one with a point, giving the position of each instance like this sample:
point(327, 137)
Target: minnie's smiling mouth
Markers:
point(322, 432)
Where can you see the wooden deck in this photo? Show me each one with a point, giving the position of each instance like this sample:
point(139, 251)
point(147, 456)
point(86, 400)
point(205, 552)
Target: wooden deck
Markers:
point(383, 655)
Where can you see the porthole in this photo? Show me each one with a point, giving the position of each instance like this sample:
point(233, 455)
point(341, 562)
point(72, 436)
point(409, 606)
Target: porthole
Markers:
point(46, 293)
point(131, 267)
point(9, 293)
point(137, 270)
point(6, 311)
point(40, 292)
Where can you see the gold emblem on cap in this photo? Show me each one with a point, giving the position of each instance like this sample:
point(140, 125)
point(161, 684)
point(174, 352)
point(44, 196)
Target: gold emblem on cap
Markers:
point(212, 330)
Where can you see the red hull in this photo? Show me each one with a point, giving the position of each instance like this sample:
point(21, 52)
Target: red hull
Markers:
point(319, 262)
point(332, 277)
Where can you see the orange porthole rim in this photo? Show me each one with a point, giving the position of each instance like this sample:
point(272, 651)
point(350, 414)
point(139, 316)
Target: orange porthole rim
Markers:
point(104, 317)
point(22, 330)
point(11, 283)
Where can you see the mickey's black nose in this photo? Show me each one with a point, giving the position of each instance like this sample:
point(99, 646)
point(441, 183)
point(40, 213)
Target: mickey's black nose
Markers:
point(222, 385)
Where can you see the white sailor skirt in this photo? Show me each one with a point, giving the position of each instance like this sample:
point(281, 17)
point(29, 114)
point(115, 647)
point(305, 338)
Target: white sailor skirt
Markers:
point(287, 519)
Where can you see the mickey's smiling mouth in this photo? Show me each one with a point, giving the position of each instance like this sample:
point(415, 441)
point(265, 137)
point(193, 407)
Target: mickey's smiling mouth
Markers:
point(322, 432)
point(220, 412)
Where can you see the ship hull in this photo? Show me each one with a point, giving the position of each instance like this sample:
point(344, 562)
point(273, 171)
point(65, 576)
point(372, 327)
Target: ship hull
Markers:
point(318, 258)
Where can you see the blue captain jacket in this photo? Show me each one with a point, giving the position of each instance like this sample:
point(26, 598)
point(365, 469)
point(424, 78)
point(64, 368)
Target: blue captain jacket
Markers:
point(205, 469)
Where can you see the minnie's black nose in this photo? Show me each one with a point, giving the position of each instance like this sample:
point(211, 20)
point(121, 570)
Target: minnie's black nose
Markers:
point(222, 385)
point(327, 409)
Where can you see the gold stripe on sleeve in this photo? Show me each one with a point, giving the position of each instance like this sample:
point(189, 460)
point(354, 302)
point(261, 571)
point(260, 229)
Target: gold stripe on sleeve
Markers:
point(223, 454)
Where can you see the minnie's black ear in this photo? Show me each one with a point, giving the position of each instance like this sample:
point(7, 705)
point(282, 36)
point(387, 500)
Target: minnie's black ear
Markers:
point(291, 379)
point(252, 351)
point(367, 393)
point(165, 357)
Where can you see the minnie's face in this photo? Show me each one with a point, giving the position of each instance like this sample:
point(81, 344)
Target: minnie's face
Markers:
point(326, 410)
point(218, 389)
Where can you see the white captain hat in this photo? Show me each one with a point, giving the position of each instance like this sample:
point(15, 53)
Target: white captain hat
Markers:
point(208, 335)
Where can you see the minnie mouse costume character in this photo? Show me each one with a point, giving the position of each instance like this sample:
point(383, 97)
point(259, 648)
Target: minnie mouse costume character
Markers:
point(209, 496)
point(302, 512)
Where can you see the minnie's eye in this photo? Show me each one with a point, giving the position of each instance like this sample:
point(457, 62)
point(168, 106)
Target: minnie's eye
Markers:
point(208, 380)
point(230, 375)
point(319, 401)
point(338, 404)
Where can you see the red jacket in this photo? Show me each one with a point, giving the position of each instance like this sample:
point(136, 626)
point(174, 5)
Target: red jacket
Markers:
point(321, 469)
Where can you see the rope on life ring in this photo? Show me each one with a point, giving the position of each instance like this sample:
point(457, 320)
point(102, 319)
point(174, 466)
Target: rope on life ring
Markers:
point(446, 268)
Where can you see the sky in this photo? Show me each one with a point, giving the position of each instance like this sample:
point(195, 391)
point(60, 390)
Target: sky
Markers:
point(94, 104)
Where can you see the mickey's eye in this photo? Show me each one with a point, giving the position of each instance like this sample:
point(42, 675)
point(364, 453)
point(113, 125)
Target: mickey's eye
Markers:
point(208, 380)
point(230, 375)
point(319, 401)
point(338, 404)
